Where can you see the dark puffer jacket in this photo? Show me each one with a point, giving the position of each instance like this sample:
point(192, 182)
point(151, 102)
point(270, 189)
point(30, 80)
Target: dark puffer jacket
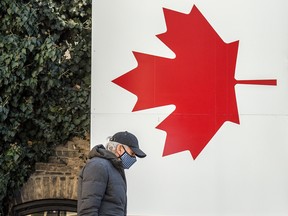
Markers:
point(102, 185)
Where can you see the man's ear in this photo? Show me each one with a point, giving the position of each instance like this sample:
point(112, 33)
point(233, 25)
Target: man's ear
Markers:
point(119, 150)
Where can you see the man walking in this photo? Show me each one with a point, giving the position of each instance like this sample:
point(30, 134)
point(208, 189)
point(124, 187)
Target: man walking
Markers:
point(102, 183)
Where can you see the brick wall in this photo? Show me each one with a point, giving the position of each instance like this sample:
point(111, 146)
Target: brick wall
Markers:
point(58, 178)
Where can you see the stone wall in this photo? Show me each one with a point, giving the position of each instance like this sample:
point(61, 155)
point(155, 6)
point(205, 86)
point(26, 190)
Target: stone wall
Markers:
point(58, 178)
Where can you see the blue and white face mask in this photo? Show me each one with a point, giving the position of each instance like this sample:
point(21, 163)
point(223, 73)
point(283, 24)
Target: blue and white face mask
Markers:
point(127, 160)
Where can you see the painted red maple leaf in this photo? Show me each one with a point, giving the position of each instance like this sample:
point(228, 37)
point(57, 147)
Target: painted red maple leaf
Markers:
point(199, 82)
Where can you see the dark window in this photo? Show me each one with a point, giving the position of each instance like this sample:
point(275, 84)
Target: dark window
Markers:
point(47, 207)
point(53, 213)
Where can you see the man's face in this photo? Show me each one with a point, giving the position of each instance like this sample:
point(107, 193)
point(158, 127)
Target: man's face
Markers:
point(122, 148)
point(129, 150)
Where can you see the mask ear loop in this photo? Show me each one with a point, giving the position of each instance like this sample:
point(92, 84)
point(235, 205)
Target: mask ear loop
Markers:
point(124, 148)
point(124, 151)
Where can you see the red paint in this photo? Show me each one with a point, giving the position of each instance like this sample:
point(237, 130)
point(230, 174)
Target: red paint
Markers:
point(258, 82)
point(199, 81)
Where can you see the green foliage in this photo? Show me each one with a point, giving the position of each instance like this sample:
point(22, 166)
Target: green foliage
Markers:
point(45, 70)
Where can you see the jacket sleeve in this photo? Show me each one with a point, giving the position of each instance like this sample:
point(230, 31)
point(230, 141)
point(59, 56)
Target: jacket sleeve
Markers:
point(93, 182)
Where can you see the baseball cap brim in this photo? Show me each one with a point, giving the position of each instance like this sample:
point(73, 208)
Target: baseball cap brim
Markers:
point(138, 152)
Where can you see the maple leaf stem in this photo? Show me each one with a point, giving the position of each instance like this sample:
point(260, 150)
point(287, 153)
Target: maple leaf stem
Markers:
point(258, 82)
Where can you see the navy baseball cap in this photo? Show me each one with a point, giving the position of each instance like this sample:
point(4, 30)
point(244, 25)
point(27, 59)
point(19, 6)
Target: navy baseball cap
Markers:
point(130, 140)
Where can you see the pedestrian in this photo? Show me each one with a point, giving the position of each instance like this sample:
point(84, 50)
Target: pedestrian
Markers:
point(102, 185)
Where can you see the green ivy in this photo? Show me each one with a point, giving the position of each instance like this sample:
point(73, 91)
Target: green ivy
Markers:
point(45, 61)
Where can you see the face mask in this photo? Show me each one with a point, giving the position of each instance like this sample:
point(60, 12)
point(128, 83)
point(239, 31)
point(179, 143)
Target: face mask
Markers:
point(127, 160)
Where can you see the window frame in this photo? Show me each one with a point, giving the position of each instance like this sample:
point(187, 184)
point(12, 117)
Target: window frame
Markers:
point(43, 205)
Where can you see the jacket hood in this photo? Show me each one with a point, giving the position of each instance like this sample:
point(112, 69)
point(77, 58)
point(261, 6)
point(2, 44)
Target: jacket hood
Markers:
point(102, 152)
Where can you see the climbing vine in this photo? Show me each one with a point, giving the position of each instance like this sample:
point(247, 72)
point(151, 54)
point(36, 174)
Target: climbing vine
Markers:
point(45, 71)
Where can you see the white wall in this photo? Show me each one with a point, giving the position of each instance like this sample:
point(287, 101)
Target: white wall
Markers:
point(243, 169)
